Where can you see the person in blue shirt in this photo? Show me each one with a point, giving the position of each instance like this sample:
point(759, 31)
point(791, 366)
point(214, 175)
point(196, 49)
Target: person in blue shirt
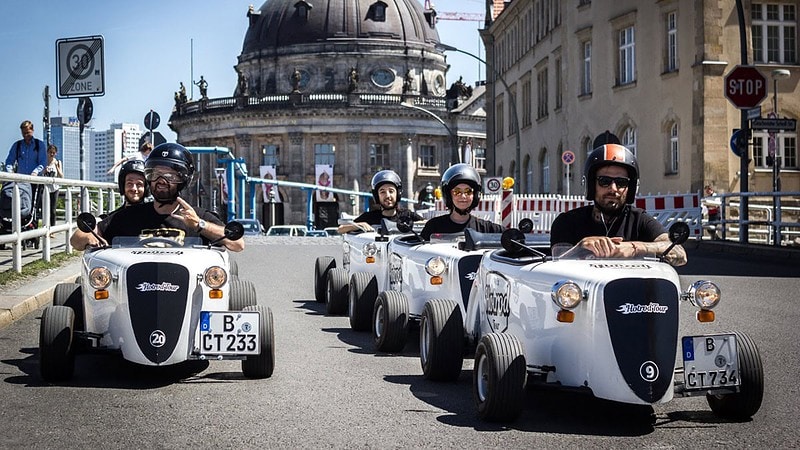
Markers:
point(28, 154)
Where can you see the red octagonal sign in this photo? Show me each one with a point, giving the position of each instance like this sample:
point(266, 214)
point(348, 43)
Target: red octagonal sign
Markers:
point(745, 87)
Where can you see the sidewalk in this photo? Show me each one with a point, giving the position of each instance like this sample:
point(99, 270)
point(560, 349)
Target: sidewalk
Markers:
point(20, 299)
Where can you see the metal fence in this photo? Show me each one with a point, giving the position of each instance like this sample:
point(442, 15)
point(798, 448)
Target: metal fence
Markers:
point(34, 230)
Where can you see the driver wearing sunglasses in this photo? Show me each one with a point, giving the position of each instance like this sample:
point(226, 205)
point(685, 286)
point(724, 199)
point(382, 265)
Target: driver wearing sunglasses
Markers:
point(612, 227)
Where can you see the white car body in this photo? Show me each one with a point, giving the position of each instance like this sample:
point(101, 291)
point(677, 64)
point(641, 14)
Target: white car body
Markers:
point(155, 307)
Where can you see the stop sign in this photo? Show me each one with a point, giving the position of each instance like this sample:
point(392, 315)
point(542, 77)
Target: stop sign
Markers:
point(745, 87)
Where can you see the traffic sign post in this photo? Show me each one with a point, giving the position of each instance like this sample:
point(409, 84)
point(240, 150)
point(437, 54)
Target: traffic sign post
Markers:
point(79, 67)
point(745, 87)
point(568, 158)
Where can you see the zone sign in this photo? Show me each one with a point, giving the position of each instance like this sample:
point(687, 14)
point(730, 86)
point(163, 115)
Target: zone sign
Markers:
point(745, 87)
point(79, 67)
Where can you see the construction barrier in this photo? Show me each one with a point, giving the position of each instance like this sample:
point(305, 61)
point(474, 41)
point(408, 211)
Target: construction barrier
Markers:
point(543, 209)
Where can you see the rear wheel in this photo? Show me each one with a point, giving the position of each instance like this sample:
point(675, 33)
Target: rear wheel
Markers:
point(70, 295)
point(242, 294)
point(56, 353)
point(498, 380)
point(390, 321)
point(321, 269)
point(336, 294)
point(262, 365)
point(363, 291)
point(745, 403)
point(441, 336)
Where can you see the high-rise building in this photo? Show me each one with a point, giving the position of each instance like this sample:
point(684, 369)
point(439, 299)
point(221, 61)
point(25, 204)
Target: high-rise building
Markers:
point(65, 134)
point(121, 140)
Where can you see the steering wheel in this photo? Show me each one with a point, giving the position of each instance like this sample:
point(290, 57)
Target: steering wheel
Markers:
point(159, 240)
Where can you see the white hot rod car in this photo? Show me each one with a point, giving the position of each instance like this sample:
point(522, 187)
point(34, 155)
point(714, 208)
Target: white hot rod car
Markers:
point(606, 326)
point(157, 301)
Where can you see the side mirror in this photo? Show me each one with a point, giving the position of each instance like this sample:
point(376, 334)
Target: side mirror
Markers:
point(679, 233)
point(405, 224)
point(86, 222)
point(234, 230)
point(513, 241)
point(525, 225)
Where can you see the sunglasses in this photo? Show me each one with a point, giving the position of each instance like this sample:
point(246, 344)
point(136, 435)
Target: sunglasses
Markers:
point(467, 191)
point(621, 182)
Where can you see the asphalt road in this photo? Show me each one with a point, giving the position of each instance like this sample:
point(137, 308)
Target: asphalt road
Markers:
point(330, 389)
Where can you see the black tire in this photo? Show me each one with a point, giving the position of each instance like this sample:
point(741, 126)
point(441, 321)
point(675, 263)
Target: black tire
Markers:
point(263, 365)
point(362, 295)
point(441, 340)
point(321, 269)
point(390, 322)
point(233, 267)
point(70, 295)
point(56, 353)
point(336, 293)
point(242, 294)
point(498, 380)
point(745, 403)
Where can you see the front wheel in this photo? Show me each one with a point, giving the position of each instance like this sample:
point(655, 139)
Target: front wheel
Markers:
point(242, 294)
point(322, 267)
point(262, 365)
point(390, 322)
point(70, 294)
point(744, 404)
point(56, 352)
point(441, 340)
point(498, 380)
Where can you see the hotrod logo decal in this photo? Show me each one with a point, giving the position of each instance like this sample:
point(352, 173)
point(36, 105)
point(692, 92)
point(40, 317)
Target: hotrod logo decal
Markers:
point(496, 296)
point(620, 266)
point(396, 273)
point(652, 307)
point(164, 286)
point(156, 252)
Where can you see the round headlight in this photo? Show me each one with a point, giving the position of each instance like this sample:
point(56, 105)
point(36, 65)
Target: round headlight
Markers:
point(99, 277)
point(566, 294)
point(370, 249)
point(215, 277)
point(435, 266)
point(704, 294)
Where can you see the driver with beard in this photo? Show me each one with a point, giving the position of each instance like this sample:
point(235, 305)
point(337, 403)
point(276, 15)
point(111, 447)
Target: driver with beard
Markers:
point(612, 227)
point(168, 170)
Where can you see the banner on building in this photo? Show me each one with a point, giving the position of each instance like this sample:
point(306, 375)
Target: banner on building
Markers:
point(268, 173)
point(324, 179)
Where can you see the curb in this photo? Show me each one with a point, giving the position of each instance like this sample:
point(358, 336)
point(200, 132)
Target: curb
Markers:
point(31, 296)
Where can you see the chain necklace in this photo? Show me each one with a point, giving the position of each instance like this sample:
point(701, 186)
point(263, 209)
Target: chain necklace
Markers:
point(609, 225)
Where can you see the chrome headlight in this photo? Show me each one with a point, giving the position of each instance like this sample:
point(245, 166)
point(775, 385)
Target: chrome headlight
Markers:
point(703, 294)
point(215, 277)
point(566, 294)
point(99, 277)
point(435, 266)
point(370, 249)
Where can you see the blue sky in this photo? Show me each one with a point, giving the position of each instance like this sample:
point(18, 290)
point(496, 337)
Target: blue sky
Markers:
point(148, 51)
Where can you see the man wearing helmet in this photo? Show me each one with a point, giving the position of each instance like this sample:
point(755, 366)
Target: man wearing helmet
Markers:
point(168, 170)
point(386, 191)
point(612, 227)
point(461, 189)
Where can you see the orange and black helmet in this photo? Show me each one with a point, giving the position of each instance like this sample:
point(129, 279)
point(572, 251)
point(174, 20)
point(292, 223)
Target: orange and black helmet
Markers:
point(606, 155)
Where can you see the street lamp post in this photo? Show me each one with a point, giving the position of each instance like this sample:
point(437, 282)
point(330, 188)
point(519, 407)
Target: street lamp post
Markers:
point(455, 156)
point(772, 148)
point(511, 99)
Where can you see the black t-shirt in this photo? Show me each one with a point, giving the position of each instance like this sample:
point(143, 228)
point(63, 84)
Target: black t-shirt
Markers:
point(136, 219)
point(634, 224)
point(443, 224)
point(374, 216)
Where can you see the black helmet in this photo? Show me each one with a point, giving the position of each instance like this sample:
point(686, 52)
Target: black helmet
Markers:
point(611, 154)
point(174, 156)
point(132, 166)
point(383, 177)
point(461, 173)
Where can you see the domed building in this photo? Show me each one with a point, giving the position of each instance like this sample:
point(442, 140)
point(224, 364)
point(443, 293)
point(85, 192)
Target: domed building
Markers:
point(329, 92)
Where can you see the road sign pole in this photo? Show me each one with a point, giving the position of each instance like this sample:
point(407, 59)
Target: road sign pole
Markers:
point(744, 151)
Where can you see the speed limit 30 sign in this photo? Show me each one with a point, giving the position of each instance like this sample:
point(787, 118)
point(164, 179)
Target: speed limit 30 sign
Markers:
point(79, 67)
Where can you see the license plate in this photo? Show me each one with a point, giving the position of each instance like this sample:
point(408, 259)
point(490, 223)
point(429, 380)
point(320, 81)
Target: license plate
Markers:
point(229, 333)
point(710, 362)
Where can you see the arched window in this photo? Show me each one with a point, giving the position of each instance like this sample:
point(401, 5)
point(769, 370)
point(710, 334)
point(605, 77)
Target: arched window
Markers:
point(629, 139)
point(544, 163)
point(528, 187)
point(303, 8)
point(673, 149)
point(377, 12)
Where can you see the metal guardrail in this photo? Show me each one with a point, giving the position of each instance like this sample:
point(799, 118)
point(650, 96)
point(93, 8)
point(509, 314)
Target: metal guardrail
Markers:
point(766, 223)
point(77, 196)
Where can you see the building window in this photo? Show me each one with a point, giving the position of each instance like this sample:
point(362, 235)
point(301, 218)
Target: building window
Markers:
point(629, 139)
point(673, 149)
point(586, 75)
point(528, 187)
point(270, 155)
point(785, 148)
point(378, 12)
point(544, 162)
point(774, 30)
point(479, 158)
point(526, 102)
point(559, 90)
point(512, 113)
point(499, 122)
point(302, 7)
point(324, 154)
point(672, 42)
point(379, 156)
point(541, 91)
point(627, 56)
point(427, 156)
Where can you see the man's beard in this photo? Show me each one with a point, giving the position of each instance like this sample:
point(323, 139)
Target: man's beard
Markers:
point(610, 207)
point(166, 196)
point(392, 205)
